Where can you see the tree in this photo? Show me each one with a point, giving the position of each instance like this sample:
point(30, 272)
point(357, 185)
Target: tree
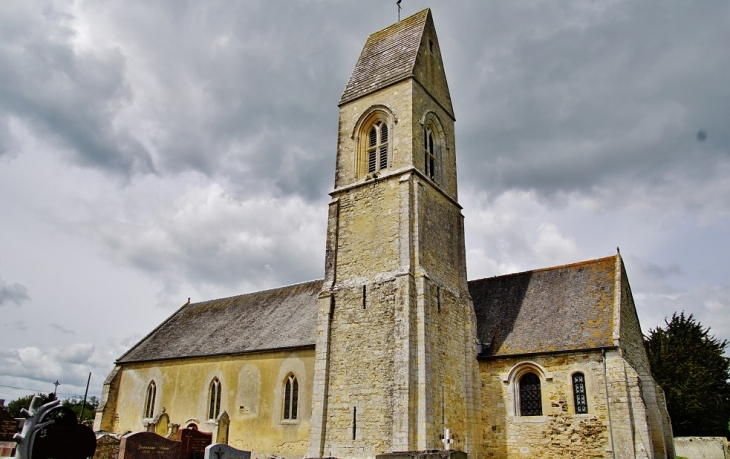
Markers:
point(689, 364)
point(89, 408)
point(15, 407)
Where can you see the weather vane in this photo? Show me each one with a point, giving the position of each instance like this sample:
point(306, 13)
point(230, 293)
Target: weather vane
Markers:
point(398, 3)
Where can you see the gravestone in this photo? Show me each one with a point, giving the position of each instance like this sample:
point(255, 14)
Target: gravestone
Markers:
point(62, 437)
point(221, 451)
point(173, 432)
point(107, 446)
point(162, 424)
point(8, 428)
point(194, 443)
point(222, 425)
point(148, 445)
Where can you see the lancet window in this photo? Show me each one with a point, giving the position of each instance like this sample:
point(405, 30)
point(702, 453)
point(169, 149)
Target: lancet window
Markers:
point(149, 402)
point(214, 399)
point(291, 398)
point(377, 151)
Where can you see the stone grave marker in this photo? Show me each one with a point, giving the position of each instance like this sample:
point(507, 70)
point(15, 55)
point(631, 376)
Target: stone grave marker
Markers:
point(162, 424)
point(221, 451)
point(8, 428)
point(194, 443)
point(148, 445)
point(63, 438)
point(222, 426)
point(107, 446)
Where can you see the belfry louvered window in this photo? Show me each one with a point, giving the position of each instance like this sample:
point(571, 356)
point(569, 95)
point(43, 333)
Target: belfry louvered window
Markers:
point(579, 393)
point(214, 405)
point(378, 147)
point(429, 153)
point(530, 395)
point(149, 403)
point(291, 397)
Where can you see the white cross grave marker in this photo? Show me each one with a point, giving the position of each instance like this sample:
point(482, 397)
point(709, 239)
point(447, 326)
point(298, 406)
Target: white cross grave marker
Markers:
point(447, 441)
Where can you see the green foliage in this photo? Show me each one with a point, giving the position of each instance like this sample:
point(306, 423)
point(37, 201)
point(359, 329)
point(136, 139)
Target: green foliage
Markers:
point(15, 407)
point(689, 364)
point(89, 409)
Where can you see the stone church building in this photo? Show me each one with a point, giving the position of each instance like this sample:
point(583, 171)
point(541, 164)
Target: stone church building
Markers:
point(394, 345)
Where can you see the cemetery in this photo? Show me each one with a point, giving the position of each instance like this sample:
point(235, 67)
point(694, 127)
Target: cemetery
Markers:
point(52, 431)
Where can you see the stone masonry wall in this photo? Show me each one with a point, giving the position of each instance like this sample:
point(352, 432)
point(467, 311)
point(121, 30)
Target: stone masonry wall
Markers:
point(368, 235)
point(632, 349)
point(559, 432)
point(451, 366)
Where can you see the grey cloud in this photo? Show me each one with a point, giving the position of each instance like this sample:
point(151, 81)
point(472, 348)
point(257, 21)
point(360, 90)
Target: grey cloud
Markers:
point(17, 325)
point(70, 365)
point(63, 329)
point(590, 99)
point(210, 238)
point(12, 293)
point(655, 271)
point(76, 353)
point(70, 97)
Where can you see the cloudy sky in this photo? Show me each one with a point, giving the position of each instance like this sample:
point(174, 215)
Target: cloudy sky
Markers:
point(159, 150)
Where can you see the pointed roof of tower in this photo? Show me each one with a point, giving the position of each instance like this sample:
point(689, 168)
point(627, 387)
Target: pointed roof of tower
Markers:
point(392, 54)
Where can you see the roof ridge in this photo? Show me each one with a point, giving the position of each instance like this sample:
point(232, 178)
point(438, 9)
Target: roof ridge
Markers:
point(551, 268)
point(268, 290)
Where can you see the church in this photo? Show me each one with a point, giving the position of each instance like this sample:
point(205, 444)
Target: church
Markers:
point(394, 350)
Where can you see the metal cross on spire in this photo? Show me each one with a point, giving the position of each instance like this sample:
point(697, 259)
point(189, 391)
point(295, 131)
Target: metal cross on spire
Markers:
point(398, 3)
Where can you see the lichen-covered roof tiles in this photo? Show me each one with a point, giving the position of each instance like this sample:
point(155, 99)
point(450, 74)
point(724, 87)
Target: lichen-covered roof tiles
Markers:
point(388, 57)
point(555, 309)
point(273, 319)
point(561, 308)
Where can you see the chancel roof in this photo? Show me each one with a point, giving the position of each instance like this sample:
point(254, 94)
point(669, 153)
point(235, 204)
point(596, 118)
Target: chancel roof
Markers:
point(388, 57)
point(562, 308)
point(273, 319)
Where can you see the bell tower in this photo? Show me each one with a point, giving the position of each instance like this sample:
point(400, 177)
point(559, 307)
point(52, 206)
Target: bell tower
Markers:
point(395, 357)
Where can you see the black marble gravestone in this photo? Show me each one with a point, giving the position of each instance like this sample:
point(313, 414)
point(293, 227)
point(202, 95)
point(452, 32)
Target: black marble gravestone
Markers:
point(65, 438)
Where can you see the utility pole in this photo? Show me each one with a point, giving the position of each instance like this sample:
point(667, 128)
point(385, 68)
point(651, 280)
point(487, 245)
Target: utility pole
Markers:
point(83, 405)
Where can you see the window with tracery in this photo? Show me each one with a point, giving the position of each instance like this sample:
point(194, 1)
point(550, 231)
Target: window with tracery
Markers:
point(377, 152)
point(579, 393)
point(149, 402)
point(530, 395)
point(214, 399)
point(429, 153)
point(291, 397)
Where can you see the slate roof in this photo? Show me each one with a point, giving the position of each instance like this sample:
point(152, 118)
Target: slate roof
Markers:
point(388, 57)
point(561, 308)
point(273, 319)
point(554, 309)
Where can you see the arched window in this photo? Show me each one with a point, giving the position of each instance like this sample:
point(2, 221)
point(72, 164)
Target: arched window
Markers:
point(149, 402)
point(530, 395)
point(291, 397)
point(579, 393)
point(429, 153)
point(377, 151)
point(214, 405)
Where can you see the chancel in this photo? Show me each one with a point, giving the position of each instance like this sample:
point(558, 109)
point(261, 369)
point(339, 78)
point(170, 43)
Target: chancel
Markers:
point(394, 350)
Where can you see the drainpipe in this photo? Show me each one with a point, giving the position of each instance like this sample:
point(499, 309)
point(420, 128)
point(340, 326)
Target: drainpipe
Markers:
point(608, 404)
